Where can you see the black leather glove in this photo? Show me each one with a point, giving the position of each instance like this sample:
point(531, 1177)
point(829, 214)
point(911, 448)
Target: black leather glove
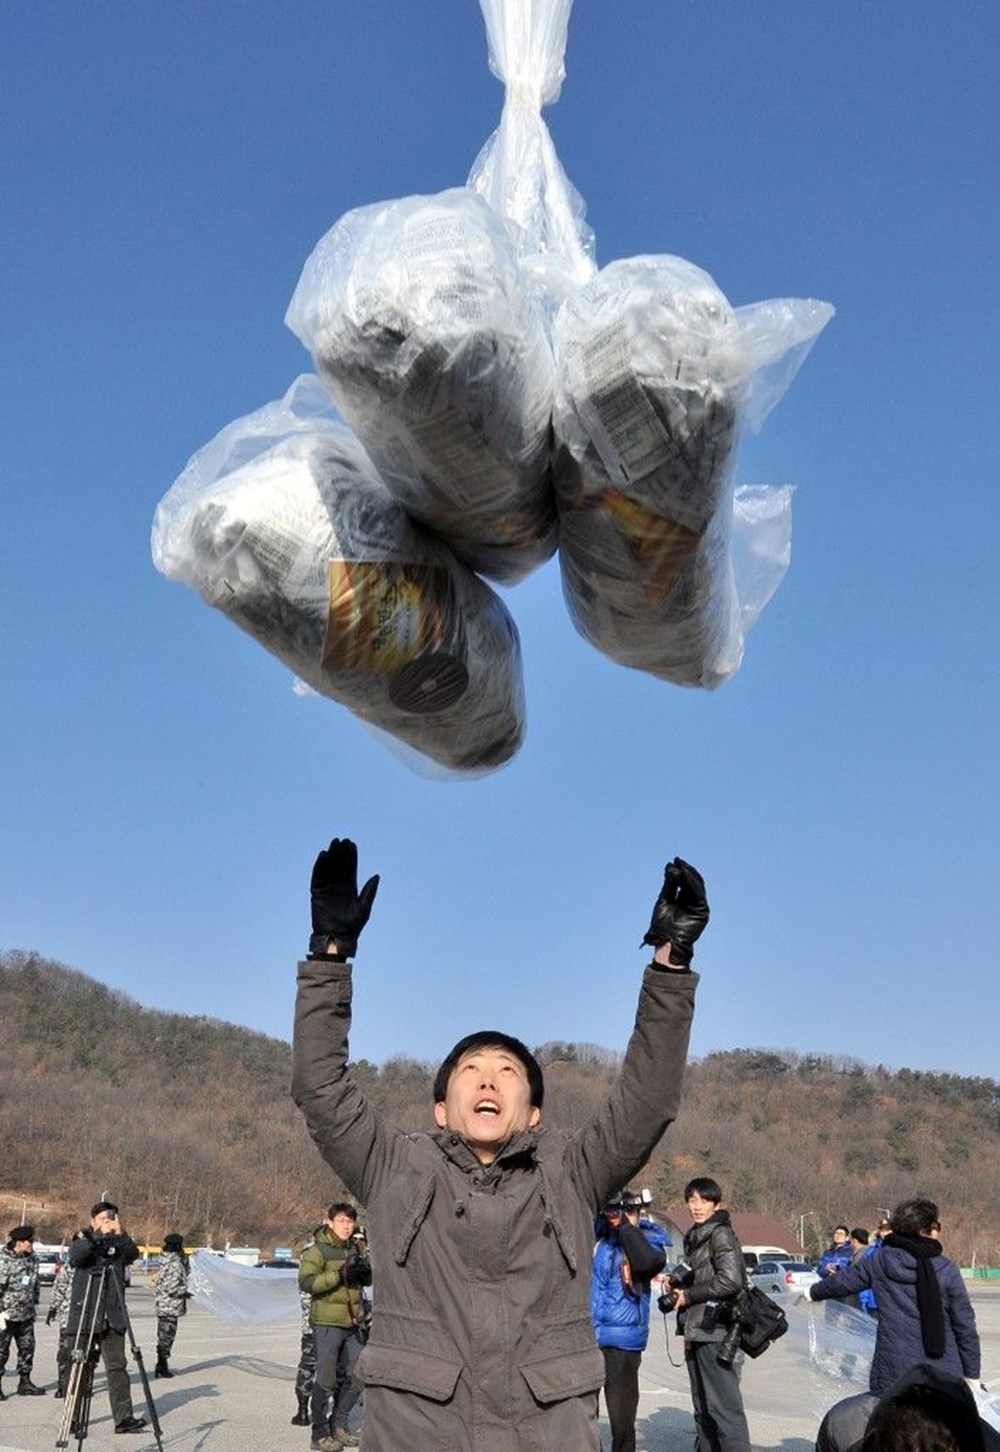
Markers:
point(339, 911)
point(680, 912)
point(357, 1271)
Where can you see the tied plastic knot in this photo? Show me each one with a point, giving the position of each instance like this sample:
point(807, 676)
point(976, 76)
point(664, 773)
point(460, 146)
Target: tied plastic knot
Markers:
point(526, 92)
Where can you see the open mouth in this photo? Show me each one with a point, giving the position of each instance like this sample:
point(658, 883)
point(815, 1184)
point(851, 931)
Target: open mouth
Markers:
point(489, 1107)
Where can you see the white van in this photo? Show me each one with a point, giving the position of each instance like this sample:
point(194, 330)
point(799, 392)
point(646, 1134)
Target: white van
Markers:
point(754, 1254)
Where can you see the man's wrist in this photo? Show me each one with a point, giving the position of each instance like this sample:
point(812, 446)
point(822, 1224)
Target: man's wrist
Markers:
point(322, 945)
point(661, 959)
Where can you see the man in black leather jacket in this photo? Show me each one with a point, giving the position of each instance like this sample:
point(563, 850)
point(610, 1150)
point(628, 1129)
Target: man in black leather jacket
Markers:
point(704, 1302)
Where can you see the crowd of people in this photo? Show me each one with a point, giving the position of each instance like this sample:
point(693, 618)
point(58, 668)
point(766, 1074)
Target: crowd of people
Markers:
point(88, 1303)
point(513, 1265)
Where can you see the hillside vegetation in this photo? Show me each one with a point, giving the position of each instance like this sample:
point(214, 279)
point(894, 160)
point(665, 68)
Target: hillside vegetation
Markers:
point(188, 1122)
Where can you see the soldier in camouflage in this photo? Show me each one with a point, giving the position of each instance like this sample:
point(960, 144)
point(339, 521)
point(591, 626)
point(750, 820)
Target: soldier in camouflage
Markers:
point(171, 1299)
point(59, 1310)
point(305, 1374)
point(18, 1293)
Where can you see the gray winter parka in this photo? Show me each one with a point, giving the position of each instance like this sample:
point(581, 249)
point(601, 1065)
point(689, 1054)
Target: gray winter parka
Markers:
point(481, 1338)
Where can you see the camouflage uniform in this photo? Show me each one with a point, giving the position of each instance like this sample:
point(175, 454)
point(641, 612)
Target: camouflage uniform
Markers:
point(171, 1303)
point(306, 1373)
point(59, 1311)
point(18, 1290)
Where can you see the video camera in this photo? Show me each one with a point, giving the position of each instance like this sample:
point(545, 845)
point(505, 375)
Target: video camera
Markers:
point(628, 1200)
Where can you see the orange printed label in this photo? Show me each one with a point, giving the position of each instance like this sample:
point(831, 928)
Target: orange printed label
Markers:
point(662, 547)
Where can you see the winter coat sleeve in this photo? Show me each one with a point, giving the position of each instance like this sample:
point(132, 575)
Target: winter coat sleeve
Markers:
point(349, 1132)
point(82, 1250)
point(845, 1282)
point(958, 1309)
point(644, 1250)
point(645, 1099)
point(316, 1274)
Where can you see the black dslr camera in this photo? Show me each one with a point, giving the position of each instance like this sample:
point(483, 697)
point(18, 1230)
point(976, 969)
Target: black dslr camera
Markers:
point(679, 1277)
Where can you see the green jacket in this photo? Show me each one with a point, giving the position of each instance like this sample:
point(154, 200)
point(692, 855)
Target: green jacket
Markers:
point(333, 1303)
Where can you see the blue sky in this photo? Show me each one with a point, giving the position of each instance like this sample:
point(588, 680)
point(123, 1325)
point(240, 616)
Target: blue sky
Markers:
point(165, 170)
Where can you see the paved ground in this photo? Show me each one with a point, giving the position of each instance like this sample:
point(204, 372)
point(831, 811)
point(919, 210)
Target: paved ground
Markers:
point(234, 1390)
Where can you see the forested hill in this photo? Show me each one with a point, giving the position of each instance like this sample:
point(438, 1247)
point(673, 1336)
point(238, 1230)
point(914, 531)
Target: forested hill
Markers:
point(188, 1122)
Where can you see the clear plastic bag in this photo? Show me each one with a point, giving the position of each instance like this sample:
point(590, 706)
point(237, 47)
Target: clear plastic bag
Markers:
point(518, 171)
point(282, 523)
point(655, 374)
point(417, 318)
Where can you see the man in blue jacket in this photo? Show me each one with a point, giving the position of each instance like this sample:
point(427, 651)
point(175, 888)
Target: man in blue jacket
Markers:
point(837, 1256)
point(630, 1250)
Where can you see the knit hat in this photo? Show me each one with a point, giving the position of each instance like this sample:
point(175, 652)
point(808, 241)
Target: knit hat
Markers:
point(173, 1241)
point(21, 1232)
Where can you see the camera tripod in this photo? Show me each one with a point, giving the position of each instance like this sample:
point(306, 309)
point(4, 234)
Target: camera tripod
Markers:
point(85, 1354)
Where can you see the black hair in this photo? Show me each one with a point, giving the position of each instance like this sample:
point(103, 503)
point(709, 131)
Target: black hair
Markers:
point(911, 1217)
point(845, 1228)
point(100, 1208)
point(491, 1039)
point(342, 1207)
point(911, 1427)
point(861, 1236)
point(707, 1188)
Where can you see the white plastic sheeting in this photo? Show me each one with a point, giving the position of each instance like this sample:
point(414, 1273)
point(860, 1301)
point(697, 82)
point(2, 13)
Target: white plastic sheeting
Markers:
point(247, 1294)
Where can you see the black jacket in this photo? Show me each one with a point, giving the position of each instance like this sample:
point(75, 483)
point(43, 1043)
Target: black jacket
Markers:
point(716, 1277)
point(97, 1300)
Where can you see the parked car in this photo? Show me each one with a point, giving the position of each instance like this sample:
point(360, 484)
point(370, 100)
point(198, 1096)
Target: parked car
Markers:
point(784, 1277)
point(754, 1254)
point(281, 1263)
point(49, 1262)
point(49, 1258)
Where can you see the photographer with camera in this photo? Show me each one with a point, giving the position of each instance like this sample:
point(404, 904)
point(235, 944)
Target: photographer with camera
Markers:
point(630, 1250)
point(705, 1293)
point(99, 1256)
point(334, 1270)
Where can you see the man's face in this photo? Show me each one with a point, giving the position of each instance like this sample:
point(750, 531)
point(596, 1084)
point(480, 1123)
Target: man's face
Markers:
point(840, 1236)
point(487, 1100)
point(106, 1222)
point(22, 1247)
point(342, 1225)
point(699, 1208)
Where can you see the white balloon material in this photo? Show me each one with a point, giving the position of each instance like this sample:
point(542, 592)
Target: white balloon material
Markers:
point(248, 1294)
